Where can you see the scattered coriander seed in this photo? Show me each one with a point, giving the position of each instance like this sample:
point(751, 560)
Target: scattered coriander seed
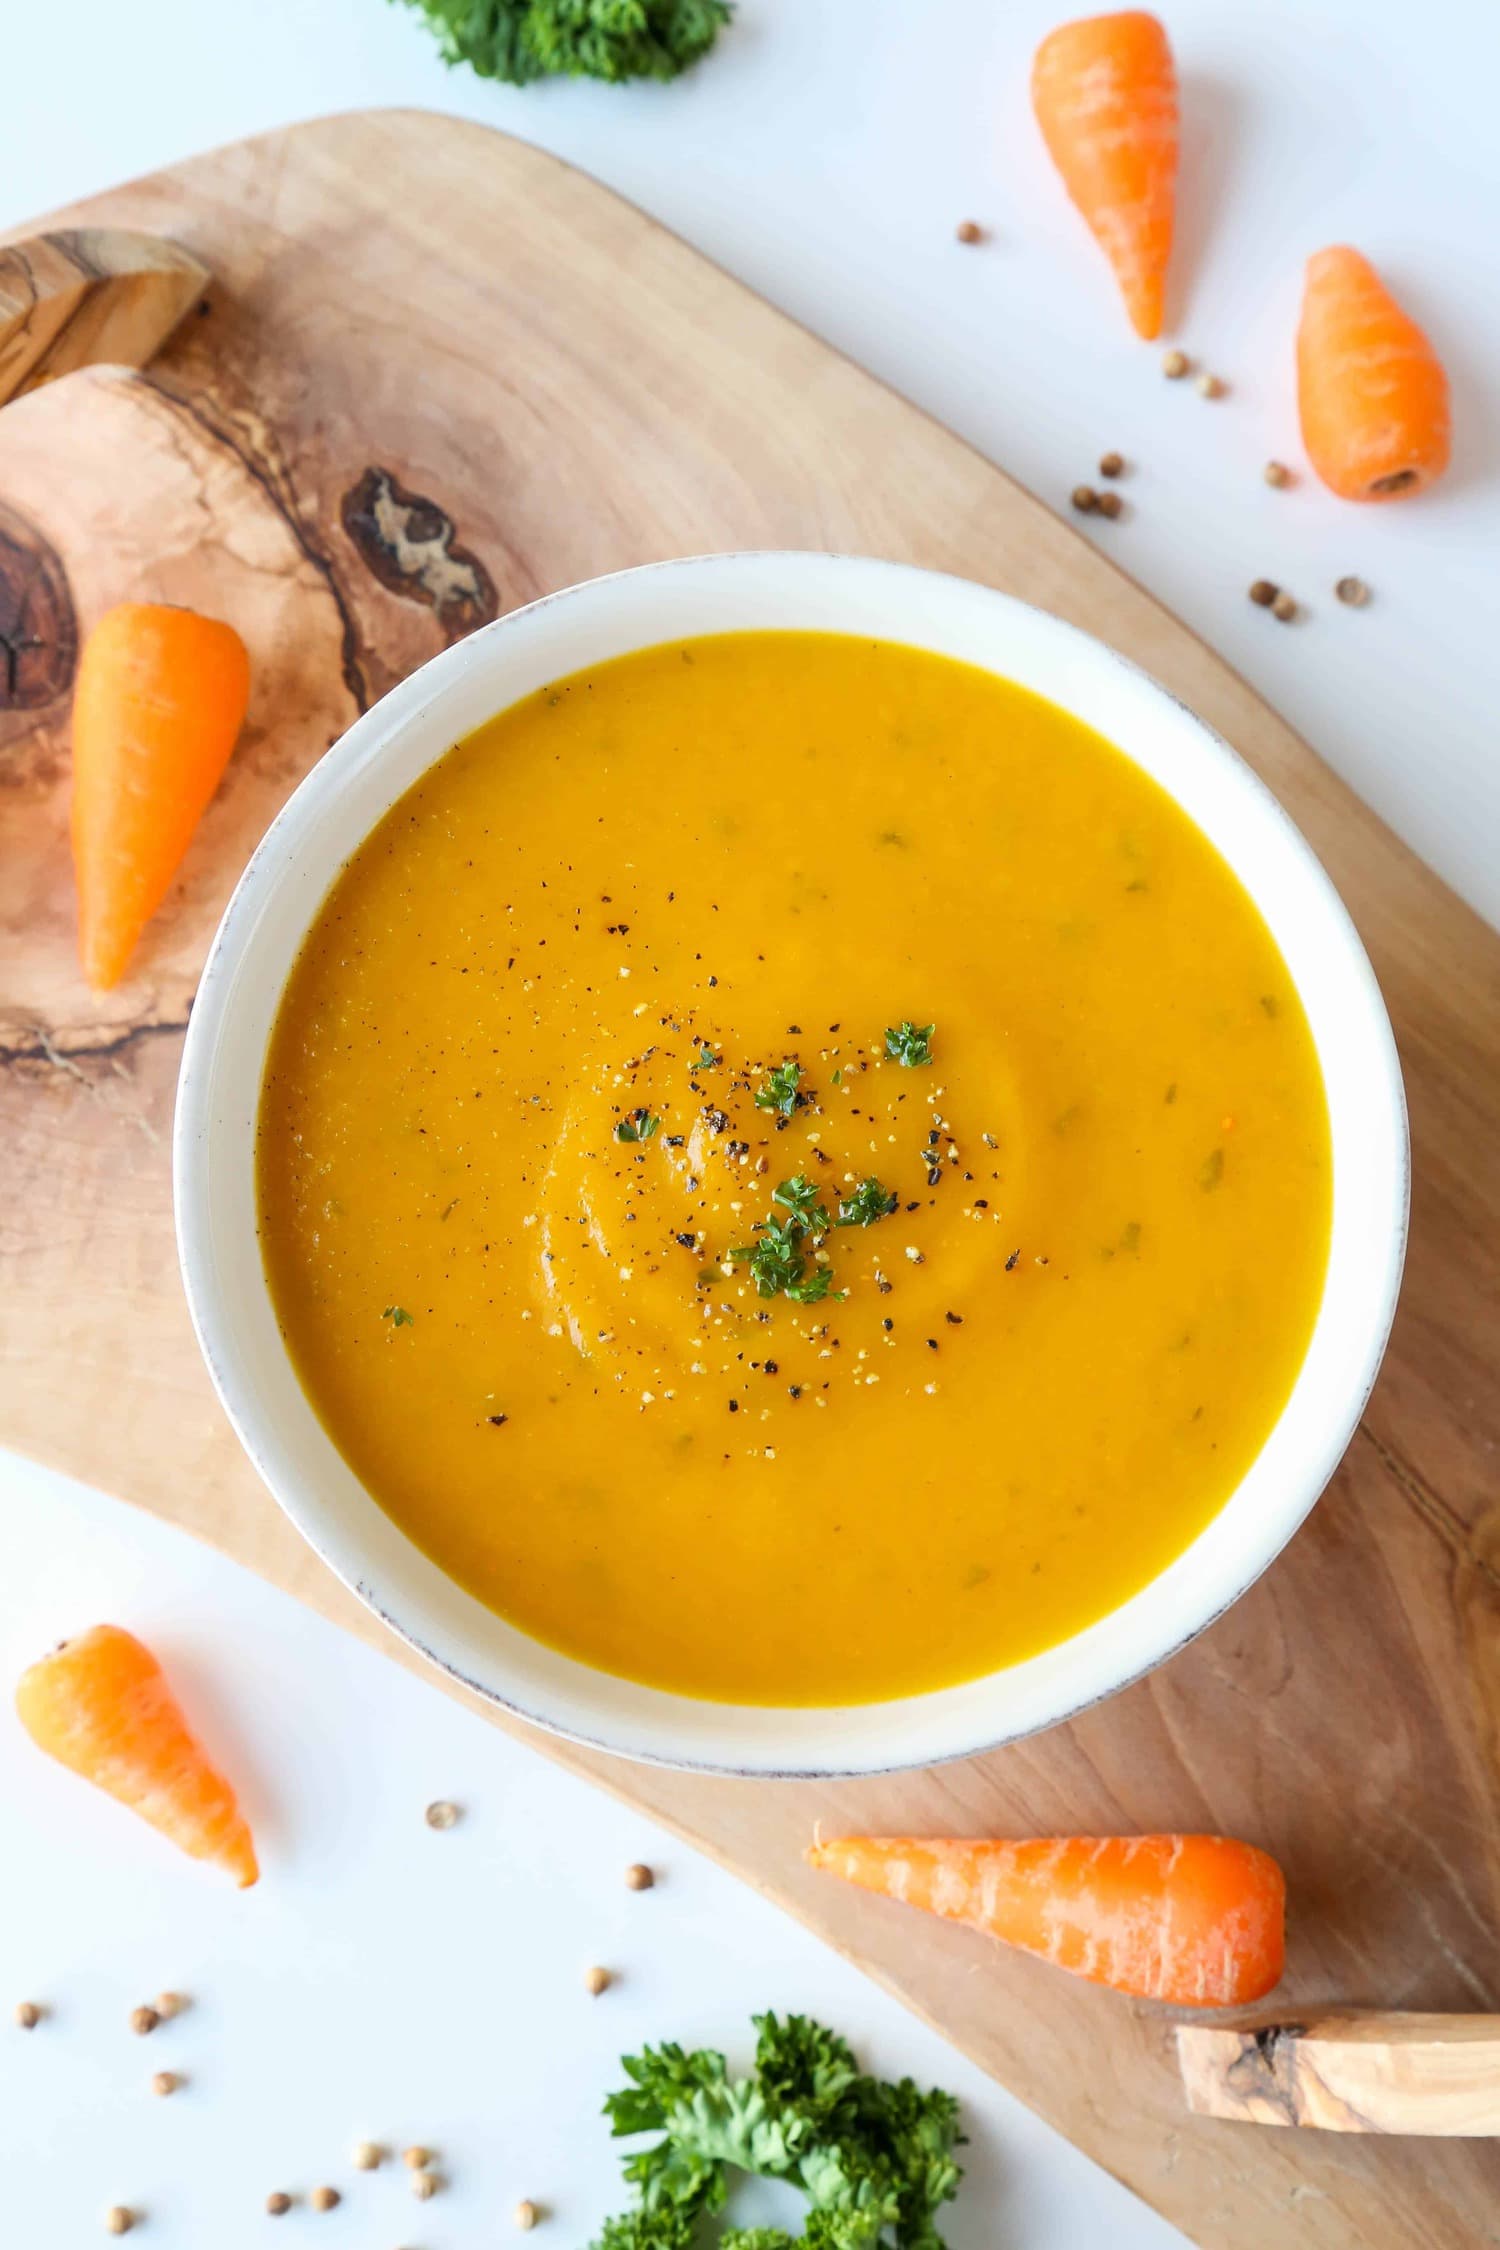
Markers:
point(165, 2082)
point(278, 2203)
point(969, 230)
point(639, 1877)
point(325, 2199)
point(1210, 386)
point(1085, 499)
point(1110, 505)
point(169, 2004)
point(597, 1980)
point(143, 2020)
point(527, 2215)
point(1352, 591)
point(416, 2159)
point(1174, 365)
point(424, 2185)
point(1111, 464)
point(1263, 592)
point(367, 2155)
point(28, 2014)
point(1284, 608)
point(442, 1814)
point(1277, 474)
point(118, 2220)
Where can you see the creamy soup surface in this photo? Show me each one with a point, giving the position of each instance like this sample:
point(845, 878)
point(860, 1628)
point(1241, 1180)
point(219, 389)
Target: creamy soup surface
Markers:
point(793, 1171)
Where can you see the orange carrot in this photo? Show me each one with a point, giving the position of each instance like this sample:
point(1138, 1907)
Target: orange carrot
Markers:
point(1372, 392)
point(1105, 95)
point(1193, 1919)
point(101, 1706)
point(160, 699)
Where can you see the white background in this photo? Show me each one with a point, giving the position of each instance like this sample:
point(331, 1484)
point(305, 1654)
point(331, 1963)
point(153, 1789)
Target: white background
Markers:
point(387, 1981)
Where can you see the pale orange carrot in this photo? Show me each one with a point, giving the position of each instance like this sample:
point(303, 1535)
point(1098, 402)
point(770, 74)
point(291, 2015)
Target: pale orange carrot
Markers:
point(1371, 390)
point(1105, 95)
point(101, 1706)
point(1198, 1920)
point(160, 699)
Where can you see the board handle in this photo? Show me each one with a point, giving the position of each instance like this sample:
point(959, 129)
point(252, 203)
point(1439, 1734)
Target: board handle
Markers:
point(89, 295)
point(1350, 2072)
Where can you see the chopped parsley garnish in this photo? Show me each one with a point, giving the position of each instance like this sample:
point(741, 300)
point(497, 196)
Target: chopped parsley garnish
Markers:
point(801, 1197)
point(865, 1204)
point(705, 1059)
point(778, 1090)
point(638, 1125)
point(779, 1265)
point(398, 1316)
point(909, 1043)
point(874, 2160)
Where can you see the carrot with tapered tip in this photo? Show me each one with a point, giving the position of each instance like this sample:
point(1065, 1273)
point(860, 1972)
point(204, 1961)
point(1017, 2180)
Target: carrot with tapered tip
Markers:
point(101, 1705)
point(1198, 1920)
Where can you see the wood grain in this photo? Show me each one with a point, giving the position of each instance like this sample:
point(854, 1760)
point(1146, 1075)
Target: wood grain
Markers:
point(443, 372)
point(1369, 2073)
point(83, 296)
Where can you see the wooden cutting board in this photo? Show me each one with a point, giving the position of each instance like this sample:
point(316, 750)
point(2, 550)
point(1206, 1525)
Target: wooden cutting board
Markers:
point(438, 373)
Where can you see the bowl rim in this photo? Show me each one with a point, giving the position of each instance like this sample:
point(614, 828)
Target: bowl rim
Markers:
point(599, 1710)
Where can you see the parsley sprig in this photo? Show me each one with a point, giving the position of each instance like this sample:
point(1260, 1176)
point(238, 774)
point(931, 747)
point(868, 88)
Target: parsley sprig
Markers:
point(875, 2160)
point(521, 40)
point(778, 1089)
point(863, 1205)
point(909, 1044)
point(779, 1264)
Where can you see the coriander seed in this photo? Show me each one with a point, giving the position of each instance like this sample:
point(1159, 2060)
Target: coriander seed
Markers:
point(424, 2185)
point(969, 230)
point(639, 1877)
point(118, 2220)
point(169, 2004)
point(1284, 608)
point(1353, 592)
point(1110, 505)
point(442, 1814)
point(143, 2020)
point(325, 2199)
point(1084, 498)
point(1277, 474)
point(367, 2156)
point(597, 1980)
point(1210, 386)
point(28, 2014)
point(1111, 465)
point(278, 2203)
point(1175, 365)
point(416, 2159)
point(1263, 592)
point(527, 2215)
point(165, 2082)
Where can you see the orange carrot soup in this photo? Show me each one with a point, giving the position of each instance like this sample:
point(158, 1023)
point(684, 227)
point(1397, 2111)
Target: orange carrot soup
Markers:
point(793, 1171)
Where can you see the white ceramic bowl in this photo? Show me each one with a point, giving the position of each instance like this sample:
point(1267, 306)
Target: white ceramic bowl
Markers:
point(379, 758)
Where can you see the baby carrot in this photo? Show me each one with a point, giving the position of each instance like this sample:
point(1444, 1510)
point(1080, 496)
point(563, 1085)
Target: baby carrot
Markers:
point(160, 699)
point(1370, 388)
point(1104, 91)
point(1197, 1920)
point(101, 1706)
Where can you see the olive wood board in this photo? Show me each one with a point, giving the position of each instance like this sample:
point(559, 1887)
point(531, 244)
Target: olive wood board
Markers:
point(437, 373)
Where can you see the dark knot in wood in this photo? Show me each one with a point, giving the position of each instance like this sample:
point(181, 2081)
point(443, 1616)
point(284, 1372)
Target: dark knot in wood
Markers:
point(38, 630)
point(409, 543)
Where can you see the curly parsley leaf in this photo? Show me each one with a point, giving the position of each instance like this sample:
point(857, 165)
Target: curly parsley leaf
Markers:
point(522, 40)
point(909, 1044)
point(875, 2160)
point(637, 1125)
point(778, 1089)
point(779, 1265)
point(802, 1197)
point(865, 1204)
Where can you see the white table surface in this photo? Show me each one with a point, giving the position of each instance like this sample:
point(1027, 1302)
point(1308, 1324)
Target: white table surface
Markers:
point(390, 1982)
